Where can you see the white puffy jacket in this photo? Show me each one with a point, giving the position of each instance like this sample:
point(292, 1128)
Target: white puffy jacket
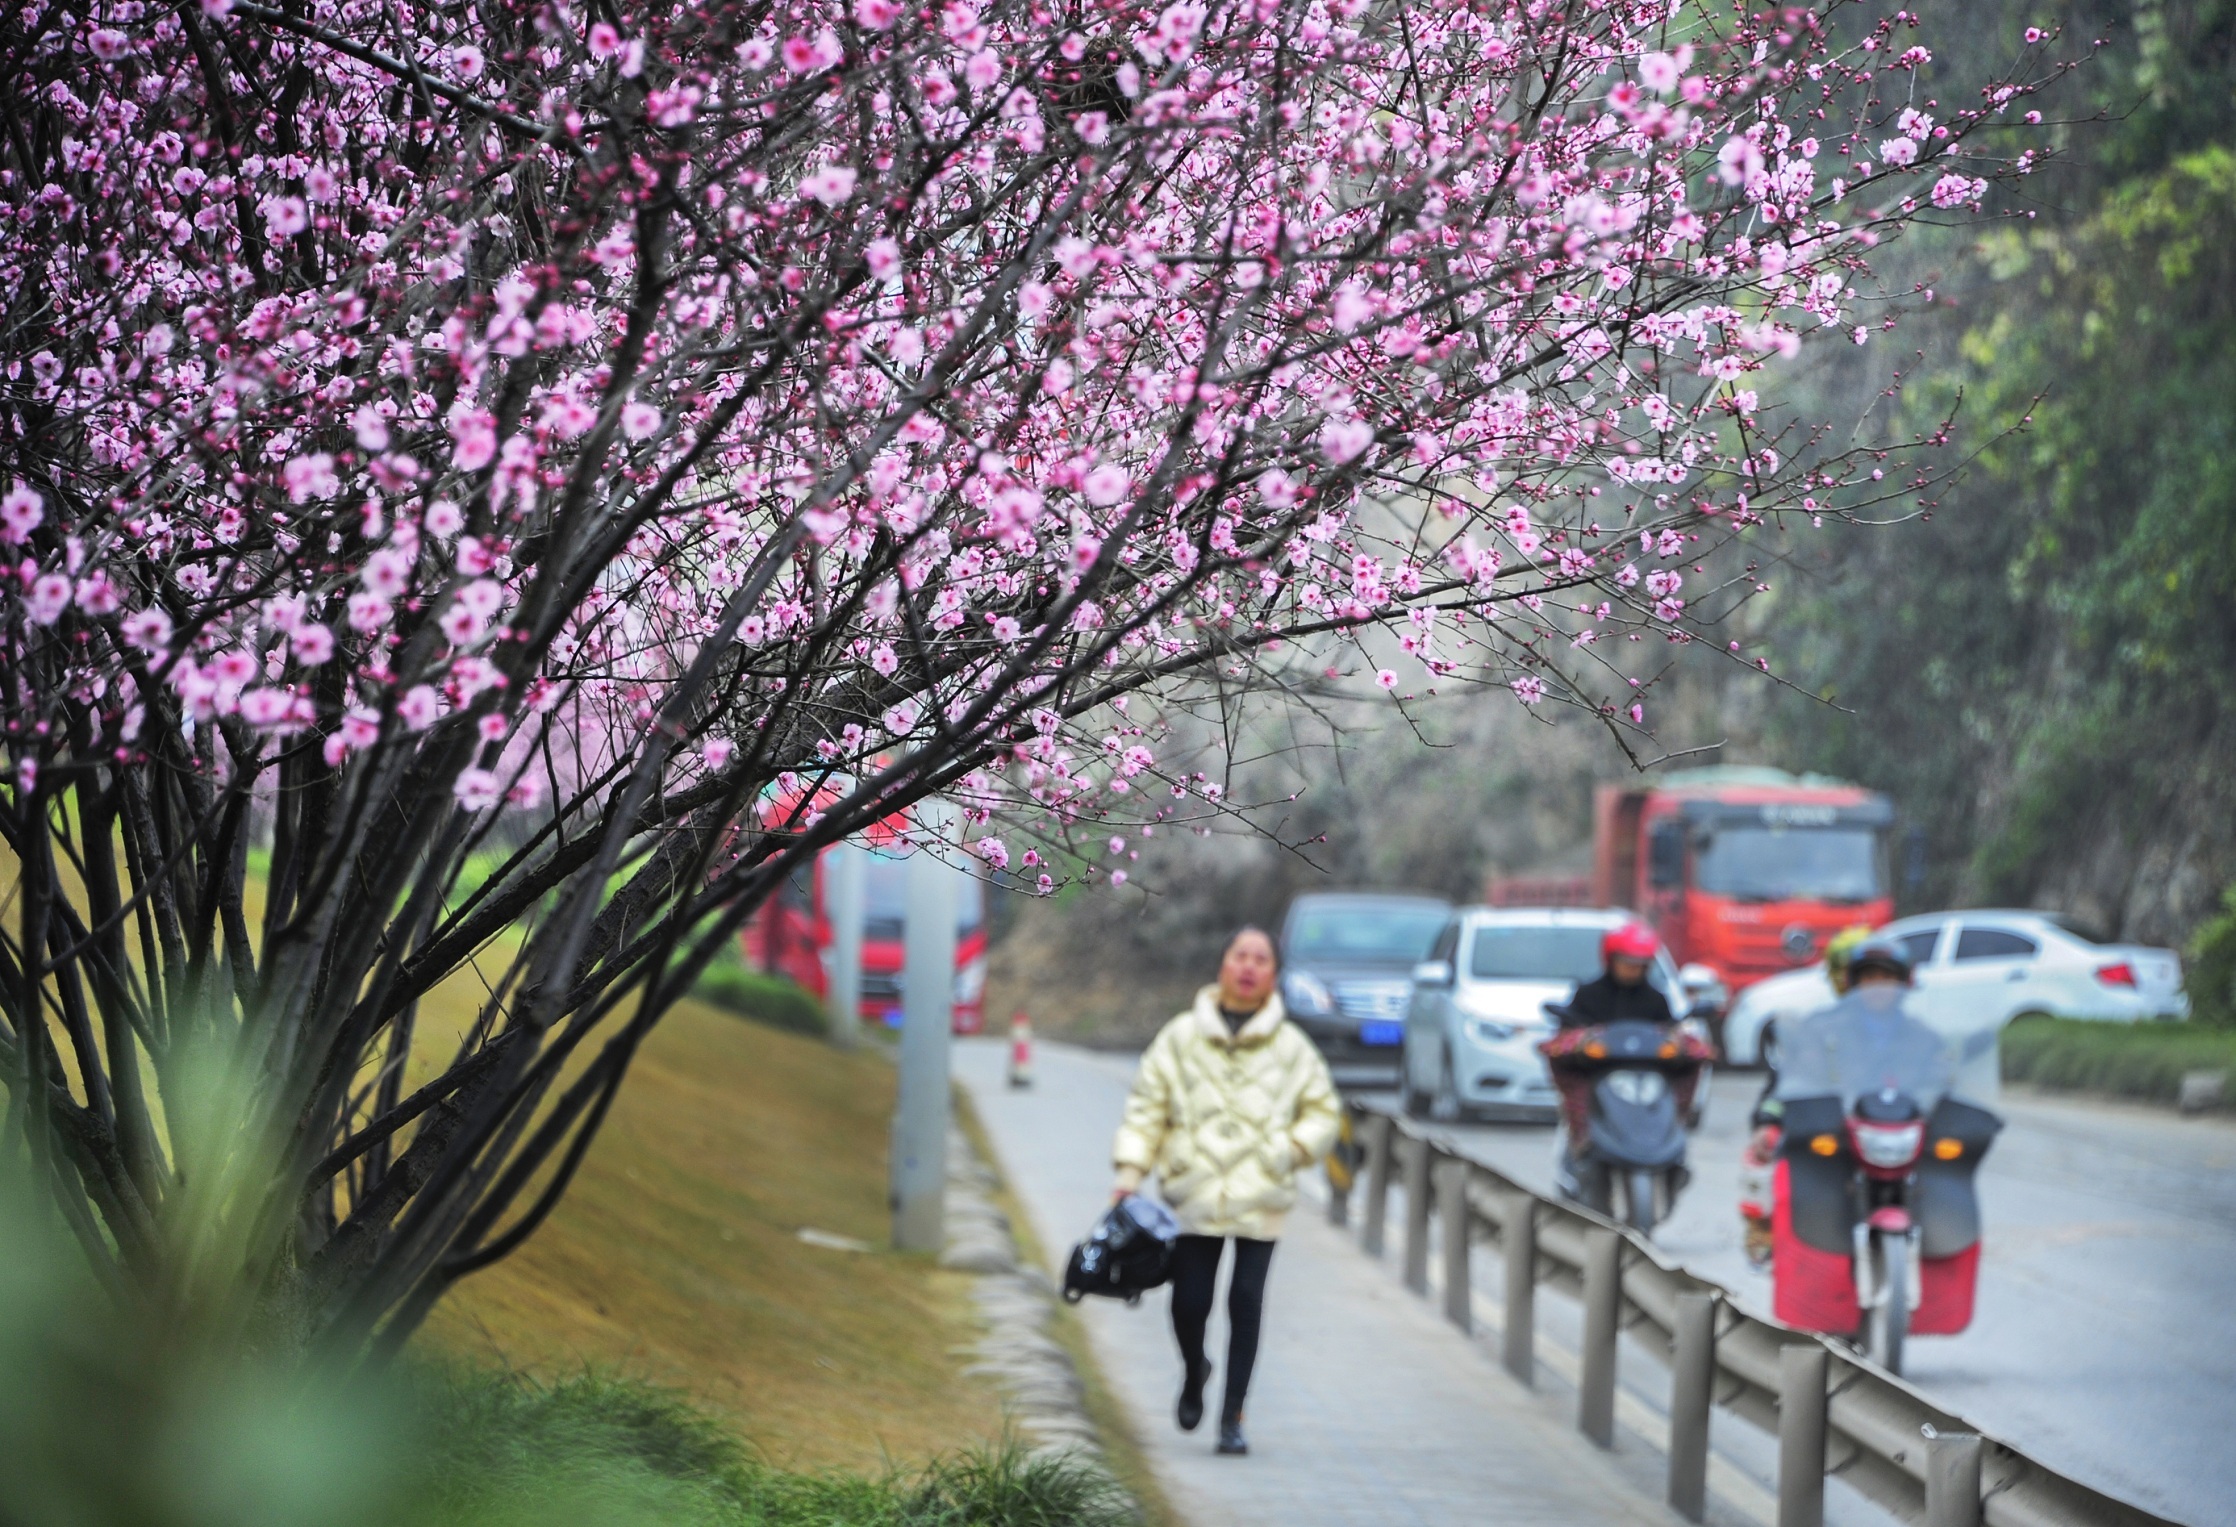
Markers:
point(1225, 1120)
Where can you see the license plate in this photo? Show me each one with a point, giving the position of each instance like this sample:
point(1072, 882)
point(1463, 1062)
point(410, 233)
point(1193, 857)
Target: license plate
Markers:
point(1381, 1032)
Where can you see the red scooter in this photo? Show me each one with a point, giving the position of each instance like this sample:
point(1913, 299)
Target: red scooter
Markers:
point(1875, 1228)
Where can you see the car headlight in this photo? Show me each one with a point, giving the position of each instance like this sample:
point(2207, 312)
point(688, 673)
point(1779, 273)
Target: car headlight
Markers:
point(1305, 992)
point(1489, 1031)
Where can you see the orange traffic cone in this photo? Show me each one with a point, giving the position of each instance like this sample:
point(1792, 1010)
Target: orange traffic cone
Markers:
point(1020, 1050)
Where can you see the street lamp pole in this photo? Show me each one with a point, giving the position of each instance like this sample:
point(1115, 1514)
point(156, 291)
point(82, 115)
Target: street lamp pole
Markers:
point(919, 1161)
point(845, 876)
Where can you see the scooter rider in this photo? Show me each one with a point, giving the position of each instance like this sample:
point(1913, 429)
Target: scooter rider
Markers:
point(1769, 1114)
point(1869, 1036)
point(1621, 990)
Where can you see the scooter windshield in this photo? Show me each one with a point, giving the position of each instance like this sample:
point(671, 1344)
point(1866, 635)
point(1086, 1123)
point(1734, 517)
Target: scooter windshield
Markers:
point(1863, 1043)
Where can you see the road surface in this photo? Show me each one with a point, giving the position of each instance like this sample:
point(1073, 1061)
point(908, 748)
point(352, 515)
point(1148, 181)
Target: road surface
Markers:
point(1367, 1409)
point(2105, 1337)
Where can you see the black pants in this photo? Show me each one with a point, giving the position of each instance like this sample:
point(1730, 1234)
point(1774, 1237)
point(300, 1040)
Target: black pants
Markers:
point(1195, 1274)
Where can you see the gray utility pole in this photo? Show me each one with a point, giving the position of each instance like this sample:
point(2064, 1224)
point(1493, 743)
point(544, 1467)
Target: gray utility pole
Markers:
point(927, 1017)
point(845, 871)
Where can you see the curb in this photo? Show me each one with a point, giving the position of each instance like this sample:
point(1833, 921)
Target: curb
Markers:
point(1016, 1302)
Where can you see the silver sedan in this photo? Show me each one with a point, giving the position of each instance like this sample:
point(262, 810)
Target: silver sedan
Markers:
point(1477, 1012)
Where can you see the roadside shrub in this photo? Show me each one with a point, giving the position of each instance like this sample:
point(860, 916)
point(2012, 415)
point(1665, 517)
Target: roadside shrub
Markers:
point(2212, 965)
point(781, 1004)
point(505, 1449)
point(2138, 1060)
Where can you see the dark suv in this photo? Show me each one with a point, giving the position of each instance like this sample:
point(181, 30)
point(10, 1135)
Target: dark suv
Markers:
point(1347, 963)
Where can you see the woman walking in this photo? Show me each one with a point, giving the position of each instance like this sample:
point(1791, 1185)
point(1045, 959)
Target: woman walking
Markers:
point(1230, 1101)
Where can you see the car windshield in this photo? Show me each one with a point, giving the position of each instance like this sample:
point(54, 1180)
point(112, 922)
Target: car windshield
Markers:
point(1376, 935)
point(1790, 863)
point(1543, 952)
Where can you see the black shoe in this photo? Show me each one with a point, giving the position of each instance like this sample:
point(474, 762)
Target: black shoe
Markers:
point(1231, 1441)
point(1189, 1412)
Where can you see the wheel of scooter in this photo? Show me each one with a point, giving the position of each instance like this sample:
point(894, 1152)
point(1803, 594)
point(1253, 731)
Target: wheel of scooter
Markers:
point(1890, 1317)
point(1641, 1197)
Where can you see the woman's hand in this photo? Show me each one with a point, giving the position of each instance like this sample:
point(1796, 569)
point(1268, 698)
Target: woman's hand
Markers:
point(1119, 1196)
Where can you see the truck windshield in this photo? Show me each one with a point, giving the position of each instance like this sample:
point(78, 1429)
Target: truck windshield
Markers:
point(1377, 935)
point(885, 900)
point(1790, 863)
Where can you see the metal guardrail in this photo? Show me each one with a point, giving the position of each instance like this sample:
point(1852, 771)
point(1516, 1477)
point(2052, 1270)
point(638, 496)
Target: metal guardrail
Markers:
point(1833, 1413)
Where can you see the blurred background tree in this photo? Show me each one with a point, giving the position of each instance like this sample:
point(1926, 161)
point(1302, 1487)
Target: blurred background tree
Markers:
point(2045, 675)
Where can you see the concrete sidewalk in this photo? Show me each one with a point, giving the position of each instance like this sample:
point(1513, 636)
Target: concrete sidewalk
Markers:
point(1366, 1407)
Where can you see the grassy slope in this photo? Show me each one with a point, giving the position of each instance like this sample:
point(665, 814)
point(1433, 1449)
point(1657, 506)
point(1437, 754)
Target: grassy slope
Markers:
point(675, 1257)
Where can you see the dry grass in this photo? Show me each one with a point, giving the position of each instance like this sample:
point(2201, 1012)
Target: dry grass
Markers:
point(676, 1257)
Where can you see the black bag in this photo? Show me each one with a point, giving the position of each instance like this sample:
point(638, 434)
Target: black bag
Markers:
point(1127, 1253)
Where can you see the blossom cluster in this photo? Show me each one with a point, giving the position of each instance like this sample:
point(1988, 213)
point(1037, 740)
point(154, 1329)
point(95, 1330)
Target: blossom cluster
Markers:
point(789, 389)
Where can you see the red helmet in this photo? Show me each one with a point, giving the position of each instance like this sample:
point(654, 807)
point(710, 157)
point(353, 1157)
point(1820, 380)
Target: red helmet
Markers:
point(1634, 941)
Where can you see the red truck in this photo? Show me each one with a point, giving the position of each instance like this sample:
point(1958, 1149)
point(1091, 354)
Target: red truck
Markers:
point(1745, 870)
point(791, 934)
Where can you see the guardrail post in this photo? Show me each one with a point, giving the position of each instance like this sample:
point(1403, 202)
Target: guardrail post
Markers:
point(1692, 1381)
point(1452, 1216)
point(1380, 1129)
point(1603, 1304)
point(1952, 1479)
point(1518, 1236)
point(1417, 1160)
point(1802, 1371)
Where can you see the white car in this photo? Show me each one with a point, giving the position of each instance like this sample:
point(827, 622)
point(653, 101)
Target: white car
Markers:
point(1976, 971)
point(1477, 1012)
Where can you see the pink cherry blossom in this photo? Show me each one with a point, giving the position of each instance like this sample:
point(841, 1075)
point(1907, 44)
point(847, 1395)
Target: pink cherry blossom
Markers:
point(285, 216)
point(477, 789)
point(370, 428)
point(310, 477)
point(831, 185)
point(50, 596)
point(640, 420)
point(148, 629)
point(474, 437)
point(1345, 440)
point(419, 707)
point(1106, 485)
point(21, 512)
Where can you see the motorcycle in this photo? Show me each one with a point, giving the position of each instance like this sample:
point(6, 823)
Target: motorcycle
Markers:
point(1627, 1091)
point(1875, 1221)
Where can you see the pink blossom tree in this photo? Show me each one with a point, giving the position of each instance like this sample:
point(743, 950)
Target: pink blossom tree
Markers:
point(514, 481)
